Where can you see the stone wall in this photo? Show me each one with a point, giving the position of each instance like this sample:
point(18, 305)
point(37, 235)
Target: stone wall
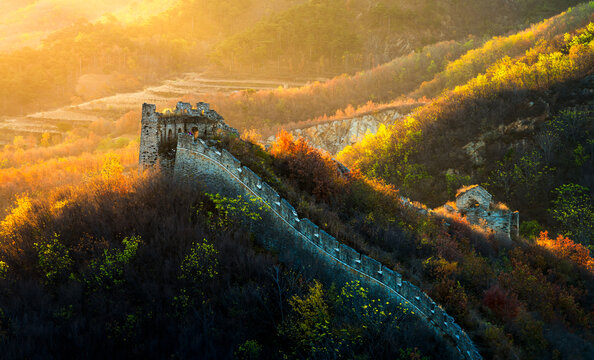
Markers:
point(465, 199)
point(497, 220)
point(220, 172)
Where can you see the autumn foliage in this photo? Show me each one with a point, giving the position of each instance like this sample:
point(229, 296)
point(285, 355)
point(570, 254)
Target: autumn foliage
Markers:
point(566, 248)
point(311, 170)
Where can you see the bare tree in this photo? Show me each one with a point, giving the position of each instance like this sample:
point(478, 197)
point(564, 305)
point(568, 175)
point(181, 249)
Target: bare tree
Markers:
point(547, 142)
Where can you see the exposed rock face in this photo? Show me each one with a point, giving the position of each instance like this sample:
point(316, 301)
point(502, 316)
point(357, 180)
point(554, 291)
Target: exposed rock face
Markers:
point(336, 135)
point(473, 151)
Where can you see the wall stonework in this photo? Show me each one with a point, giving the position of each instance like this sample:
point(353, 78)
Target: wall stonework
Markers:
point(298, 239)
point(475, 195)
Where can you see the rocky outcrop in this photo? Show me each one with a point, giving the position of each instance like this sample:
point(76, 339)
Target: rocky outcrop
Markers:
point(335, 135)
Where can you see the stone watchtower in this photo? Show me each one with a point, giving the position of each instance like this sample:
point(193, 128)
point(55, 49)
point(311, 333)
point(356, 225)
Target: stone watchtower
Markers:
point(158, 135)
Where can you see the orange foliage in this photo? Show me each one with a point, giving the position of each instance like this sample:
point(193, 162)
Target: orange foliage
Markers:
point(313, 171)
point(36, 178)
point(565, 247)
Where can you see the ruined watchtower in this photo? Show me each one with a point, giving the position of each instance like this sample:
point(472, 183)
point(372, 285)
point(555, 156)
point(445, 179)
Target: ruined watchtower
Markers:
point(478, 206)
point(159, 131)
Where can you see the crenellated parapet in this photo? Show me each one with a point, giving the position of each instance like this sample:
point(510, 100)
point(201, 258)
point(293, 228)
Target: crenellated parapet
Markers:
point(195, 159)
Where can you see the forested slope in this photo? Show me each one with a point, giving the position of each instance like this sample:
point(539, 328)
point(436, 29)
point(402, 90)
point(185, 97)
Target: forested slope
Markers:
point(330, 36)
point(426, 72)
point(523, 129)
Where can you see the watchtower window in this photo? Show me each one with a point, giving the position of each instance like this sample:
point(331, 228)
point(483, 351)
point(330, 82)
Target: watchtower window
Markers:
point(170, 135)
point(179, 130)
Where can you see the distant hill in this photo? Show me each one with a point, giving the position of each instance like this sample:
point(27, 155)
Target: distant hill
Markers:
point(28, 22)
point(76, 43)
point(425, 72)
point(334, 36)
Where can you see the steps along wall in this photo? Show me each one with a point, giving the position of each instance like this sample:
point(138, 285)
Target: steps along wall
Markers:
point(220, 172)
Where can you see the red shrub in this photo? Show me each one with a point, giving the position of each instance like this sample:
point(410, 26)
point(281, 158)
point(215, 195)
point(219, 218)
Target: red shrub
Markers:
point(504, 304)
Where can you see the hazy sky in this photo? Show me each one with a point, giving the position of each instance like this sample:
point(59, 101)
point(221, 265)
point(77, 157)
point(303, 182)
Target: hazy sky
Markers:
point(25, 22)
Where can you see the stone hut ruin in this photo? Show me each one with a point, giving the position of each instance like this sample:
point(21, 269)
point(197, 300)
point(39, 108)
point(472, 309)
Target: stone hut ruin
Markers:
point(478, 206)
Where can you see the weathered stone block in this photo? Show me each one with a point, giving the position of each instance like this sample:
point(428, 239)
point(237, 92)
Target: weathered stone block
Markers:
point(289, 213)
point(307, 228)
point(405, 290)
point(349, 255)
point(473, 195)
point(391, 278)
point(185, 141)
point(200, 146)
point(371, 267)
point(231, 163)
point(329, 243)
point(252, 180)
point(270, 196)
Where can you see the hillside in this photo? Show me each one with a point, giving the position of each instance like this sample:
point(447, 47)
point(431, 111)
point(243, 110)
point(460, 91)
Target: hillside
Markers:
point(119, 52)
point(102, 257)
point(523, 129)
point(156, 270)
point(329, 36)
point(28, 22)
point(495, 290)
point(426, 72)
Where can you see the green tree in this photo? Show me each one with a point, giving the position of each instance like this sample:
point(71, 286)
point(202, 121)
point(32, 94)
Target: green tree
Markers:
point(108, 271)
point(197, 267)
point(3, 270)
point(200, 263)
point(574, 211)
point(230, 212)
point(310, 327)
point(54, 259)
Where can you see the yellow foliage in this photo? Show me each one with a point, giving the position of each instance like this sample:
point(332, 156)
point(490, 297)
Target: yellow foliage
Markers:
point(17, 217)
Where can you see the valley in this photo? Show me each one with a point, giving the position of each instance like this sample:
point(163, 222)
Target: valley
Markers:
point(297, 179)
point(110, 108)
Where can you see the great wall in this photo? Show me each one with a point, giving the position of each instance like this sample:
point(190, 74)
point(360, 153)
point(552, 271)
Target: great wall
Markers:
point(165, 141)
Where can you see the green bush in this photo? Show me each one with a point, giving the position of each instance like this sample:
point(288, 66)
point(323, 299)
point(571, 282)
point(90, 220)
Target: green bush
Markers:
point(54, 259)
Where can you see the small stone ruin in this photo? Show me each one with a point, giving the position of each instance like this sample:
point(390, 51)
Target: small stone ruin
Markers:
point(478, 206)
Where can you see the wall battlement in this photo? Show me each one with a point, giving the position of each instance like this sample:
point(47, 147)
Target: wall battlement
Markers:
point(194, 156)
point(159, 131)
point(195, 160)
